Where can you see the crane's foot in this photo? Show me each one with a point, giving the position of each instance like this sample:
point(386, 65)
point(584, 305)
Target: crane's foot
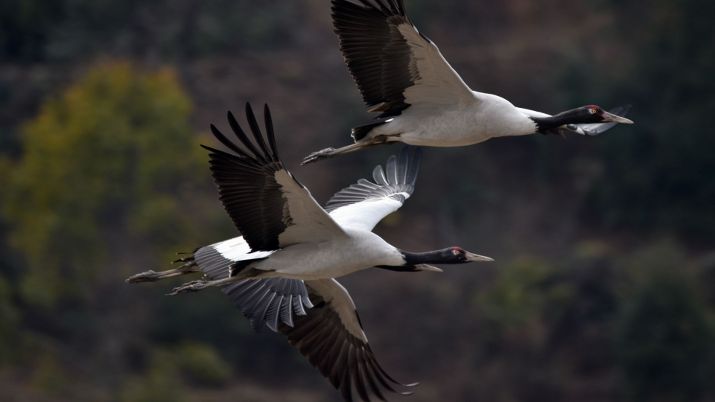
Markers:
point(318, 155)
point(193, 286)
point(152, 276)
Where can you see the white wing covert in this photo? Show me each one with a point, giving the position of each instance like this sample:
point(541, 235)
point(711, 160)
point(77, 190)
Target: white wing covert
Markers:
point(365, 203)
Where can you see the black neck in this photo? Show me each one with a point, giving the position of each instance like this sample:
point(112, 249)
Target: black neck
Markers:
point(444, 256)
point(415, 262)
point(573, 116)
point(429, 257)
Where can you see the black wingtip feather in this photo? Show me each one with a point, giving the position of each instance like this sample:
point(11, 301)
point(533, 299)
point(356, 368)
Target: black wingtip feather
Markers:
point(385, 9)
point(268, 120)
point(217, 153)
point(255, 148)
point(225, 141)
point(371, 381)
point(253, 152)
point(360, 381)
point(257, 135)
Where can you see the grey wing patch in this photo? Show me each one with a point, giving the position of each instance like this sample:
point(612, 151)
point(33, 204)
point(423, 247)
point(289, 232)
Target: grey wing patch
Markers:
point(268, 301)
point(595, 129)
point(396, 181)
point(212, 263)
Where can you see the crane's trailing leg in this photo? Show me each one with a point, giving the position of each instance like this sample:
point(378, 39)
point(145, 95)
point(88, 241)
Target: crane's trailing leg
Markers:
point(188, 267)
point(195, 286)
point(237, 273)
point(330, 152)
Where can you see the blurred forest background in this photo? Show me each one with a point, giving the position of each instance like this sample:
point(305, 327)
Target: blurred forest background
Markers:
point(604, 285)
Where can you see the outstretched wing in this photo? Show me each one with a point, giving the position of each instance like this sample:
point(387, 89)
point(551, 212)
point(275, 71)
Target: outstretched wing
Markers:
point(331, 337)
point(270, 207)
point(365, 203)
point(598, 128)
point(393, 64)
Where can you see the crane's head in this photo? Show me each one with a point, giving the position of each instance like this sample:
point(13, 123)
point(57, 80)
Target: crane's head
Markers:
point(594, 114)
point(458, 255)
point(451, 255)
point(589, 114)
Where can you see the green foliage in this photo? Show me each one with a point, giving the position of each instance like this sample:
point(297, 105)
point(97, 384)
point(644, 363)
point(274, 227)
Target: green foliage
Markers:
point(518, 296)
point(665, 340)
point(201, 365)
point(170, 369)
point(100, 161)
point(48, 375)
point(9, 320)
point(598, 312)
point(160, 383)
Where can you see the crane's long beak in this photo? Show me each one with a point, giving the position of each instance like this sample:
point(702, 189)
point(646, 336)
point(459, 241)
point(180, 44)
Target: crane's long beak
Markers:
point(614, 118)
point(478, 258)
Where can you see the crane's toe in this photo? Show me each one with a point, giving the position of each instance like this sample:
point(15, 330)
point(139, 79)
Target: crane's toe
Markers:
point(193, 286)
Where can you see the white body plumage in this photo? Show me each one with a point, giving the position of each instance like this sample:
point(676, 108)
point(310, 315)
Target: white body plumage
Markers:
point(358, 250)
point(467, 123)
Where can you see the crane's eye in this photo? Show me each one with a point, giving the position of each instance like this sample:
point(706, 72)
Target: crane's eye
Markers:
point(455, 251)
point(592, 110)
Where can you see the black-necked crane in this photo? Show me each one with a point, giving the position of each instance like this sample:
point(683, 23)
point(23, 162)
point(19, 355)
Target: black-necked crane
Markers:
point(281, 272)
point(422, 101)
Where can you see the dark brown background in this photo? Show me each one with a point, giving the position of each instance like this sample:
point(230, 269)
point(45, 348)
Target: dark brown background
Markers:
point(603, 286)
